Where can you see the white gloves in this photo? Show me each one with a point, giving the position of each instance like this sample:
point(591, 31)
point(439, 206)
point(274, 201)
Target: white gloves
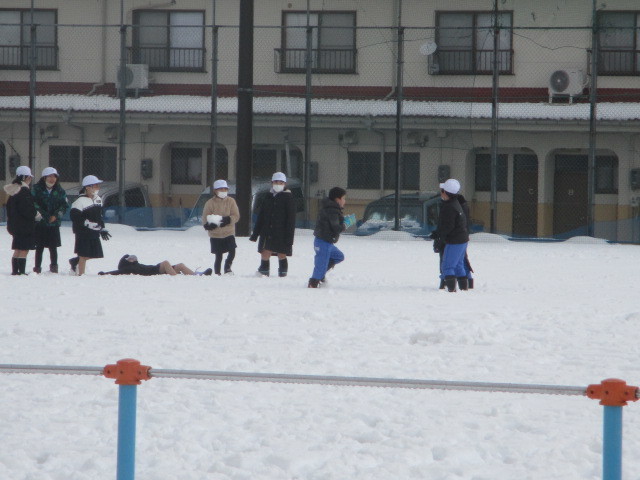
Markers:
point(92, 225)
point(38, 216)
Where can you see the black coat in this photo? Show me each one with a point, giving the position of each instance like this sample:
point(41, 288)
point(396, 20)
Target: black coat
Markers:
point(330, 223)
point(125, 267)
point(21, 211)
point(452, 223)
point(276, 223)
point(85, 208)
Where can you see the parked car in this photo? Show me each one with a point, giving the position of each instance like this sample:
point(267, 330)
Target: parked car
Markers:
point(137, 211)
point(418, 214)
point(259, 190)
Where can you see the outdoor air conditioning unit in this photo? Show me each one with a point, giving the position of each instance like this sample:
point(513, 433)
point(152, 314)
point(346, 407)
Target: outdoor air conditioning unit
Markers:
point(134, 77)
point(566, 83)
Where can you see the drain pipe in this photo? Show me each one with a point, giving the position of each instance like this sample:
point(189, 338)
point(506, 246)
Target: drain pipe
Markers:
point(67, 121)
point(397, 6)
point(383, 145)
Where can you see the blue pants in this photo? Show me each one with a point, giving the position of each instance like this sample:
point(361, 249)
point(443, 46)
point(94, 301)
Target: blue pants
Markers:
point(453, 261)
point(325, 251)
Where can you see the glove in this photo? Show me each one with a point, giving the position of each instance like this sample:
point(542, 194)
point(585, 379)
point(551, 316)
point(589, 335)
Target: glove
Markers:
point(225, 221)
point(253, 238)
point(105, 235)
point(438, 245)
point(38, 216)
point(210, 226)
point(92, 225)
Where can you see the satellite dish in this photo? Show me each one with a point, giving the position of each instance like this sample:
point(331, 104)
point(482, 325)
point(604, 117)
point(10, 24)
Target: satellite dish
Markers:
point(428, 48)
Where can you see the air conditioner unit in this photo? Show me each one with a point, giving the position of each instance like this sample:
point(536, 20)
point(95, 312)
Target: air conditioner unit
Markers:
point(135, 75)
point(566, 83)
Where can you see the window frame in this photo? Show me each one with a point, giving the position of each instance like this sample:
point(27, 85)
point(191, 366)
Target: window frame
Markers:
point(182, 178)
point(633, 51)
point(606, 174)
point(283, 53)
point(473, 51)
point(380, 175)
point(480, 176)
point(136, 50)
point(23, 48)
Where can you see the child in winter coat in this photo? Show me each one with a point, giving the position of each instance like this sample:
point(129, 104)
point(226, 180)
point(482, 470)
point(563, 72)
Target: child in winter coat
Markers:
point(129, 265)
point(219, 218)
point(88, 226)
point(51, 202)
point(329, 226)
point(21, 219)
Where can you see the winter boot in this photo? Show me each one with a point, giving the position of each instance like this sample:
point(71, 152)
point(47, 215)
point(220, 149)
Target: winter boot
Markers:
point(313, 283)
point(470, 283)
point(53, 268)
point(74, 263)
point(37, 269)
point(264, 268)
point(14, 266)
point(283, 267)
point(207, 272)
point(22, 266)
point(450, 281)
point(227, 267)
point(442, 284)
point(463, 283)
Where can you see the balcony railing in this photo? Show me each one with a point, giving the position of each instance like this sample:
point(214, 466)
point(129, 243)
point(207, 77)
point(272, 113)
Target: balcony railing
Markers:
point(293, 60)
point(18, 57)
point(469, 62)
point(165, 59)
point(617, 62)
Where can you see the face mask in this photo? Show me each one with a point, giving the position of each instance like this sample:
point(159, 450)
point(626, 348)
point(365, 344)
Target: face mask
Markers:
point(277, 188)
point(50, 184)
point(222, 194)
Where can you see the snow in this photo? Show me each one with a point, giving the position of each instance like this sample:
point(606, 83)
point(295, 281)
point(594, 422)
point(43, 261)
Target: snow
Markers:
point(558, 313)
point(324, 107)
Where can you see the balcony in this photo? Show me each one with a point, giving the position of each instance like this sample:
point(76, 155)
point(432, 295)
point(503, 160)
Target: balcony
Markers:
point(16, 57)
point(469, 62)
point(293, 60)
point(617, 62)
point(165, 59)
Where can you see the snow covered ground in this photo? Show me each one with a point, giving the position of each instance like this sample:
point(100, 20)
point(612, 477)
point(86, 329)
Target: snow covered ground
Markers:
point(542, 313)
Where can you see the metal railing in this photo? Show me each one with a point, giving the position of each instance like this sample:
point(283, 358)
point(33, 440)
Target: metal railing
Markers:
point(293, 60)
point(470, 62)
point(17, 57)
point(169, 59)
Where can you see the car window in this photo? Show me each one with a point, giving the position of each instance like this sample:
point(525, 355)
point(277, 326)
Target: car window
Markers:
point(134, 197)
point(111, 201)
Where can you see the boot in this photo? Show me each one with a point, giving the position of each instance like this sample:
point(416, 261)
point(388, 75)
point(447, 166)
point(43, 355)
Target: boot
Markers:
point(313, 283)
point(463, 283)
point(14, 266)
point(22, 266)
point(450, 281)
point(37, 269)
point(470, 283)
point(264, 268)
point(283, 267)
point(442, 284)
point(74, 263)
point(53, 268)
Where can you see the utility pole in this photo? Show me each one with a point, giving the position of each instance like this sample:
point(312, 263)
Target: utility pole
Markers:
point(214, 93)
point(399, 99)
point(33, 58)
point(122, 92)
point(494, 119)
point(593, 105)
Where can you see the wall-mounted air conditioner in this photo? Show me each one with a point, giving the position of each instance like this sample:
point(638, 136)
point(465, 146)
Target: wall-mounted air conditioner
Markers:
point(566, 83)
point(135, 75)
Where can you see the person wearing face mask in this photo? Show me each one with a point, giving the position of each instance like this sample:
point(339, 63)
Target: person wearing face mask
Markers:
point(219, 218)
point(275, 226)
point(51, 202)
point(88, 226)
point(21, 219)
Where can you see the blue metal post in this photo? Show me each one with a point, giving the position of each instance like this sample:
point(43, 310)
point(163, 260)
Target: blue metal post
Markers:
point(612, 444)
point(127, 432)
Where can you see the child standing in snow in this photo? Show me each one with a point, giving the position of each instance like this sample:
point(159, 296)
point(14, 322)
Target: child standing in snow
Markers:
point(219, 217)
point(329, 226)
point(21, 219)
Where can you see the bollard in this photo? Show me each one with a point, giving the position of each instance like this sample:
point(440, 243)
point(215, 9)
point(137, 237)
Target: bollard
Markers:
point(613, 395)
point(128, 374)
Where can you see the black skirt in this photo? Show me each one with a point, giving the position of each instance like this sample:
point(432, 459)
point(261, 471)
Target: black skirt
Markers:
point(88, 247)
point(23, 242)
point(223, 245)
point(47, 237)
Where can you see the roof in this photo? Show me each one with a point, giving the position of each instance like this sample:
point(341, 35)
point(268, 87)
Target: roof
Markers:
point(325, 107)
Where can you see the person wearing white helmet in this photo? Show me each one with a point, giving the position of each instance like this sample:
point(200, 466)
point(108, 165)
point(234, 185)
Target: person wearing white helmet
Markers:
point(21, 219)
point(219, 217)
point(51, 202)
point(88, 226)
point(275, 226)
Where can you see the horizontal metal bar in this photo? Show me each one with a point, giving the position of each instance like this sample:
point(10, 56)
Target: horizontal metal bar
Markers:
point(48, 369)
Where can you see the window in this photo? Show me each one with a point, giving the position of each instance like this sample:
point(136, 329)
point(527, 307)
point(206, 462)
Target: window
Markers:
point(264, 162)
point(186, 166)
point(222, 164)
point(333, 42)
point(3, 162)
point(483, 173)
point(363, 170)
point(606, 177)
point(66, 160)
point(619, 43)
point(409, 170)
point(15, 39)
point(169, 41)
point(465, 43)
point(100, 161)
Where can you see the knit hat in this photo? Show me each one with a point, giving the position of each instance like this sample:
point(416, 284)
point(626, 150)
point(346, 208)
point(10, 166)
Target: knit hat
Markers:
point(49, 171)
point(279, 176)
point(451, 186)
point(220, 184)
point(90, 180)
point(23, 170)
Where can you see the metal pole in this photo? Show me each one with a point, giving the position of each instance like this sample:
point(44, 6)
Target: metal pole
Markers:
point(33, 58)
point(399, 99)
point(214, 92)
point(593, 105)
point(494, 121)
point(612, 444)
point(307, 121)
point(127, 397)
point(245, 118)
point(123, 105)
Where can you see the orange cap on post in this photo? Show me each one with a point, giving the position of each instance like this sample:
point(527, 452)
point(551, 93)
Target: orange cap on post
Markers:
point(127, 372)
point(613, 392)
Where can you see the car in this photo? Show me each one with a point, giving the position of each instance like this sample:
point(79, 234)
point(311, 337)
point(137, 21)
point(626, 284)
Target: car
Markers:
point(418, 214)
point(137, 211)
point(260, 188)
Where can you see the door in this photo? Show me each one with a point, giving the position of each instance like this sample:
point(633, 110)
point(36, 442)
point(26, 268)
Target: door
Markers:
point(570, 196)
point(525, 196)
